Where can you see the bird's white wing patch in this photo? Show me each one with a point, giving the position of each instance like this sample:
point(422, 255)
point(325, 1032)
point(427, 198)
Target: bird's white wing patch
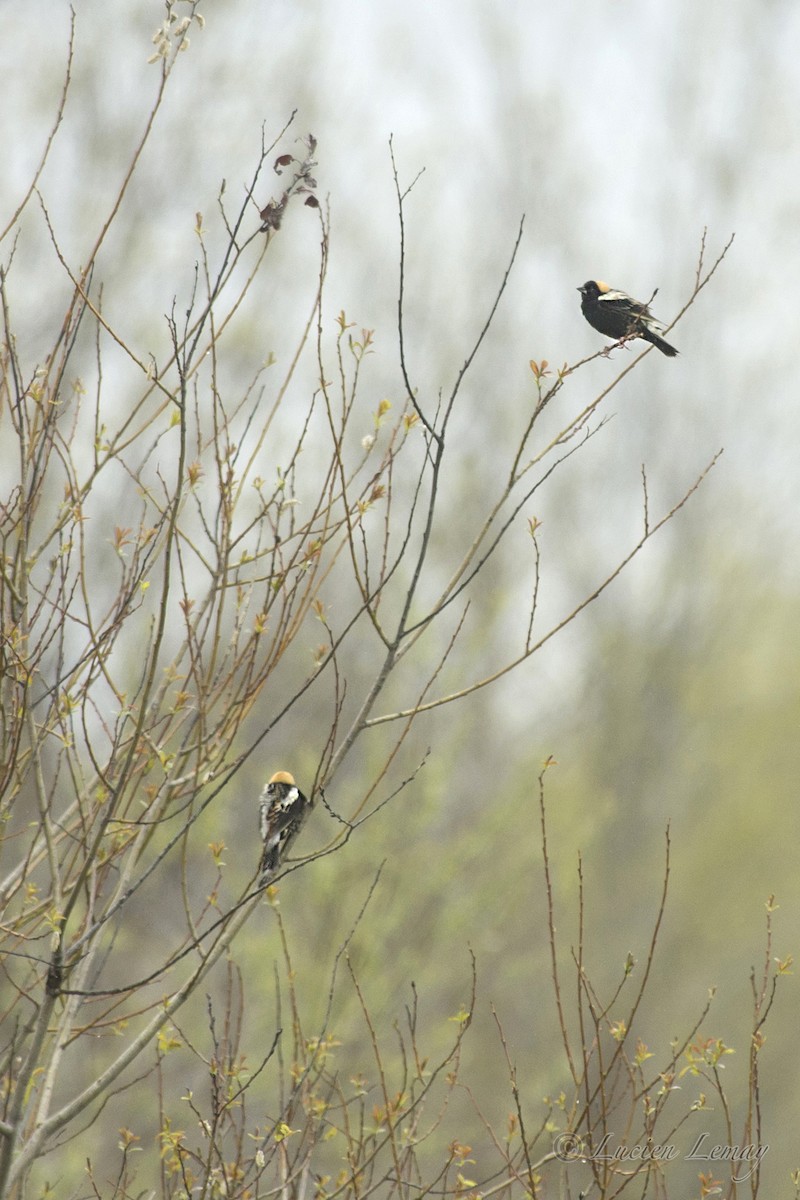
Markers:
point(288, 800)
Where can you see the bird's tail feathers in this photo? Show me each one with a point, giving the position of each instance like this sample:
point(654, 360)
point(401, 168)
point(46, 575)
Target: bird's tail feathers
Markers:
point(650, 335)
point(269, 865)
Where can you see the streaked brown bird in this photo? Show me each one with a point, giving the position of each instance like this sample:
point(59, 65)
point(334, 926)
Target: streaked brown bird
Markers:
point(282, 810)
point(619, 316)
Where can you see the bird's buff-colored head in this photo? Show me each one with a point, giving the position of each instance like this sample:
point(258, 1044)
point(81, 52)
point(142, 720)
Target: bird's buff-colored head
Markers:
point(283, 777)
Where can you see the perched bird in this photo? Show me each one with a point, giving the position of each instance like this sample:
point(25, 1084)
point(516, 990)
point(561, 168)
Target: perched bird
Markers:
point(282, 810)
point(619, 316)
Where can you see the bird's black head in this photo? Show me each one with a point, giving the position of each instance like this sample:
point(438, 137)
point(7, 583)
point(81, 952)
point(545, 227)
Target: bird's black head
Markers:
point(592, 289)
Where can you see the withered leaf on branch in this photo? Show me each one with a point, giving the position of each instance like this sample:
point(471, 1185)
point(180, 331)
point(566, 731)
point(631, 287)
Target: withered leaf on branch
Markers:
point(303, 182)
point(272, 214)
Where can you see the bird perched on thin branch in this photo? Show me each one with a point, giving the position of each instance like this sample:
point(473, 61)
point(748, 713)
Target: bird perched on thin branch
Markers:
point(282, 810)
point(618, 315)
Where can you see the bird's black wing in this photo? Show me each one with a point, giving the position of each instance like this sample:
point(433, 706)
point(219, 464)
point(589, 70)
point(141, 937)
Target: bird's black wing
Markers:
point(283, 811)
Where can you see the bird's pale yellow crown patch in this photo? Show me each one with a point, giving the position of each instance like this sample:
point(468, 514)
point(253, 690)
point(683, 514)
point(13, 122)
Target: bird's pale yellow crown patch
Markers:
point(283, 777)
